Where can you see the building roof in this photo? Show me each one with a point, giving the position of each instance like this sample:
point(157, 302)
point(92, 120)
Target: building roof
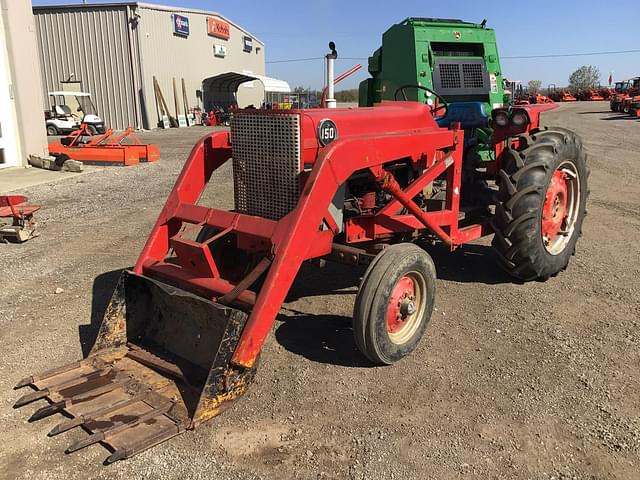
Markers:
point(149, 6)
point(230, 81)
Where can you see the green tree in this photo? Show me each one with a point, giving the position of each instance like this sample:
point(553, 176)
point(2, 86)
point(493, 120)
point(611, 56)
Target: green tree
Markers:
point(534, 86)
point(584, 78)
point(347, 96)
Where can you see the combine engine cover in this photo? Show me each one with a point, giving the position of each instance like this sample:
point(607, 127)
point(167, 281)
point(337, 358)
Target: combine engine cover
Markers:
point(456, 59)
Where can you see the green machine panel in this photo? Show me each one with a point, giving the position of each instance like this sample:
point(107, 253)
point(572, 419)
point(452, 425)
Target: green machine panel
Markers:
point(456, 59)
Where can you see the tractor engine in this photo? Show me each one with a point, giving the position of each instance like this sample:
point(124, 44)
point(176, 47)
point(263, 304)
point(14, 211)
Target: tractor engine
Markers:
point(274, 153)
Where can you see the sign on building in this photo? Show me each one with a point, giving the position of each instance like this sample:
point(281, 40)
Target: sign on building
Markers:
point(180, 24)
point(248, 43)
point(220, 50)
point(218, 28)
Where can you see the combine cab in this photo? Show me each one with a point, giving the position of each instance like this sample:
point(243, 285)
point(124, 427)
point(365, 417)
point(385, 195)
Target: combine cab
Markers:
point(368, 187)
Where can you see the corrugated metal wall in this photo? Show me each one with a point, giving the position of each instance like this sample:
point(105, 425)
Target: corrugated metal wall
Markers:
point(94, 44)
point(167, 56)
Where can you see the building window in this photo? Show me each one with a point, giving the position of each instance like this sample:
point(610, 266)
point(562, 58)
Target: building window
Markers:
point(247, 44)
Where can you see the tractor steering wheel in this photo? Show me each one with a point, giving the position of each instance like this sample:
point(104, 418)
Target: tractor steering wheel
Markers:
point(443, 103)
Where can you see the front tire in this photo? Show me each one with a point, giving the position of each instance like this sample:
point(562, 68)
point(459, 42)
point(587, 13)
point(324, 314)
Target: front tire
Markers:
point(394, 304)
point(52, 130)
point(543, 196)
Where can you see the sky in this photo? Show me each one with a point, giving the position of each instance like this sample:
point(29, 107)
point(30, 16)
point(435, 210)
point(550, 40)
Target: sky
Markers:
point(294, 29)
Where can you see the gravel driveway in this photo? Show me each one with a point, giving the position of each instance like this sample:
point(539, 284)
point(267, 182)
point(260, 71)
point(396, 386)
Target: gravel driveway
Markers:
point(517, 381)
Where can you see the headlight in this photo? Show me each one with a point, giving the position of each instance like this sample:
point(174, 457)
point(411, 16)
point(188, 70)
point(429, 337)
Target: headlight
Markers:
point(519, 119)
point(501, 118)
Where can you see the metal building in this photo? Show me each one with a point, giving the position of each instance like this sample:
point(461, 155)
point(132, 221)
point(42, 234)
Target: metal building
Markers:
point(115, 50)
point(21, 133)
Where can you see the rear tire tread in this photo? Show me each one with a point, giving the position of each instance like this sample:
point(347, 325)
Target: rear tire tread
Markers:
point(523, 182)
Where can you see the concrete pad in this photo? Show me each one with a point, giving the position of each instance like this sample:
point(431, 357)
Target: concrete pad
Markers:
point(16, 178)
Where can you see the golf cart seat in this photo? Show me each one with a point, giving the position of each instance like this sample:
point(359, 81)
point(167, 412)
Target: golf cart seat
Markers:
point(62, 110)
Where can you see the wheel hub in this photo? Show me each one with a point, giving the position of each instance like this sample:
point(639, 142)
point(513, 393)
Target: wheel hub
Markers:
point(555, 211)
point(401, 306)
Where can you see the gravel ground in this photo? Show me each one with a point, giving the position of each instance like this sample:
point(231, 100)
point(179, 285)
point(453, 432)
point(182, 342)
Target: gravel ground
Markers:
point(518, 381)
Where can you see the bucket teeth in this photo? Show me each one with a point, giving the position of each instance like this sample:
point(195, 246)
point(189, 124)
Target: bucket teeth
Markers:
point(103, 434)
point(47, 410)
point(95, 414)
point(37, 395)
point(48, 374)
point(64, 426)
point(85, 442)
point(31, 397)
point(24, 382)
point(160, 365)
point(115, 456)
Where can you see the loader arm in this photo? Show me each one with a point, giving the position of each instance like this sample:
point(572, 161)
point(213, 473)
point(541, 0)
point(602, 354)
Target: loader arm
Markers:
point(182, 334)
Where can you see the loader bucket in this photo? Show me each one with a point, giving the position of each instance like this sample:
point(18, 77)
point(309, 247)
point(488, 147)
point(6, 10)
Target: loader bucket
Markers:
point(159, 366)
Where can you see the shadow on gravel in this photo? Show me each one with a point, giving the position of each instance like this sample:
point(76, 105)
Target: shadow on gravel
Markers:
point(334, 279)
point(321, 338)
point(620, 117)
point(469, 264)
point(326, 338)
point(103, 287)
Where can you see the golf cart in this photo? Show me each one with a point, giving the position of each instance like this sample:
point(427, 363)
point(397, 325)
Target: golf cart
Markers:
point(61, 120)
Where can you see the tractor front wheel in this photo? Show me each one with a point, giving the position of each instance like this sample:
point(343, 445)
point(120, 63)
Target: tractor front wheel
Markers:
point(543, 195)
point(394, 304)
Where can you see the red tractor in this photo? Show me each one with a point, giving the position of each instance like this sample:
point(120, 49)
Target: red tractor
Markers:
point(625, 91)
point(370, 187)
point(192, 315)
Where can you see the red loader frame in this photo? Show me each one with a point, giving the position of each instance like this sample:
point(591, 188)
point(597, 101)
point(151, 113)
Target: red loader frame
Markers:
point(296, 237)
point(180, 339)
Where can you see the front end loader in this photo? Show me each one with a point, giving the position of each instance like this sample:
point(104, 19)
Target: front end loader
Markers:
point(369, 187)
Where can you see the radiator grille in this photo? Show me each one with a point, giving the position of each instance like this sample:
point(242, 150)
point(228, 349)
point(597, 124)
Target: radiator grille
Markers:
point(266, 163)
point(461, 77)
point(450, 75)
point(473, 75)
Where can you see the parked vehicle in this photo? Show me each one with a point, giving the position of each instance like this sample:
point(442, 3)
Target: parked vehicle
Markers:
point(61, 120)
point(371, 186)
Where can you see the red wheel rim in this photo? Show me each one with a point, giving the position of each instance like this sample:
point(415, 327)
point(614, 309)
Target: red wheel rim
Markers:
point(555, 210)
point(401, 304)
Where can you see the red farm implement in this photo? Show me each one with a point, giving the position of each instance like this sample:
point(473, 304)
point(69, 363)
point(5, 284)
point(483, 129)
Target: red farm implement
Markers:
point(325, 183)
point(566, 97)
point(606, 93)
point(590, 96)
point(22, 226)
point(107, 149)
point(540, 99)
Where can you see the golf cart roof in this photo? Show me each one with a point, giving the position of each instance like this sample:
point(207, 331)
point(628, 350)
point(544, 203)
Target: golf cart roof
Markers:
point(75, 94)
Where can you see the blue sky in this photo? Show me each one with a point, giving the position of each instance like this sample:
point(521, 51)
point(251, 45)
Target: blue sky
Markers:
point(298, 29)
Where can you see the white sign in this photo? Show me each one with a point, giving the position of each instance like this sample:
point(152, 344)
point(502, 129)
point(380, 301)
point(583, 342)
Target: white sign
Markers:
point(220, 51)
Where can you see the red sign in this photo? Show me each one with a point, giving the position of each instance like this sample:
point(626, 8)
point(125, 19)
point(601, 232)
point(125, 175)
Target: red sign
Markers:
point(218, 28)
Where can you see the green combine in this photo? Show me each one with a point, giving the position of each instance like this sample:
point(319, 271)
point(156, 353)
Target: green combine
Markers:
point(457, 60)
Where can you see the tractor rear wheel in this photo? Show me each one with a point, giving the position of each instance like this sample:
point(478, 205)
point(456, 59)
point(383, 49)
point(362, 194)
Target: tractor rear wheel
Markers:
point(543, 195)
point(394, 304)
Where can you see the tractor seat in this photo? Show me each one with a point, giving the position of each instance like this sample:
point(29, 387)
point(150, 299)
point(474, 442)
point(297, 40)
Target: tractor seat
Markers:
point(469, 114)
